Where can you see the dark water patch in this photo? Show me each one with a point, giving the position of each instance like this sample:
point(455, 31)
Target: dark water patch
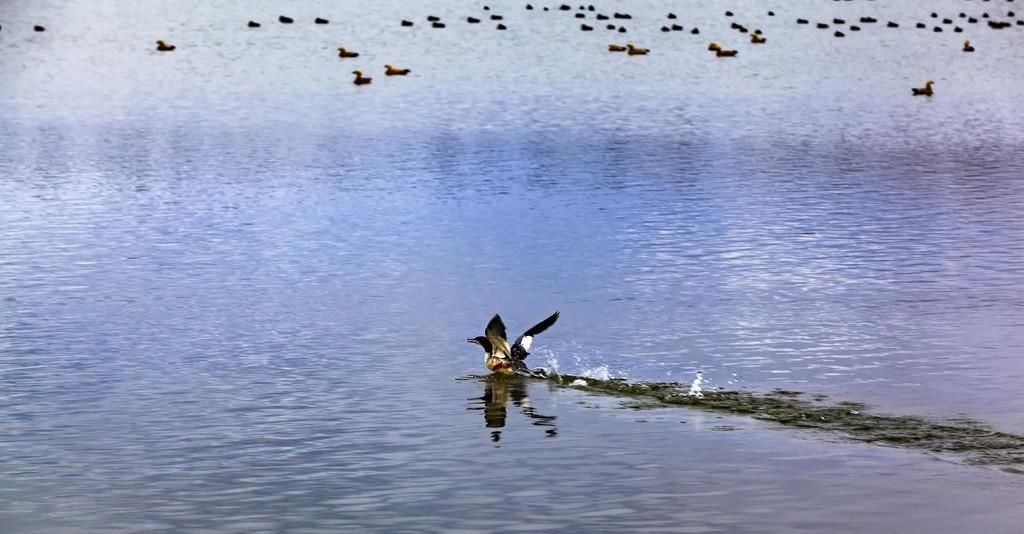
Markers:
point(975, 441)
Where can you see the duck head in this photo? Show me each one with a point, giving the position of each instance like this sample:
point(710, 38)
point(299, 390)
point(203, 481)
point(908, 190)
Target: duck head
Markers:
point(482, 341)
point(357, 72)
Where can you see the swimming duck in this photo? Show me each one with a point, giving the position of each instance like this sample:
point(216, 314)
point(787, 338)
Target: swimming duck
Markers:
point(392, 71)
point(344, 52)
point(757, 39)
point(499, 357)
point(636, 50)
point(925, 91)
point(721, 52)
point(253, 24)
point(285, 20)
point(320, 20)
point(360, 79)
point(164, 47)
point(38, 28)
point(968, 47)
point(616, 48)
point(714, 47)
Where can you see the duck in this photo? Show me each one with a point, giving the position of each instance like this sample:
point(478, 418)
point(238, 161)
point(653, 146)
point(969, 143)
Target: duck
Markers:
point(636, 50)
point(392, 71)
point(722, 52)
point(253, 24)
point(285, 20)
point(714, 47)
point(616, 48)
point(360, 79)
point(344, 52)
point(499, 357)
point(161, 46)
point(756, 38)
point(925, 91)
point(320, 20)
point(968, 47)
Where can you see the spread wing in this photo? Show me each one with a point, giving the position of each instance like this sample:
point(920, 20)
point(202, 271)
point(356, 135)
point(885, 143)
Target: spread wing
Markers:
point(521, 348)
point(495, 333)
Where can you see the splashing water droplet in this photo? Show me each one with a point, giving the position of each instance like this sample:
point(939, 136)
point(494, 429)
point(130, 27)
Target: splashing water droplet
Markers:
point(695, 386)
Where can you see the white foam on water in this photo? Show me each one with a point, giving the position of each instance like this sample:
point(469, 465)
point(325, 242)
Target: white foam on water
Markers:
point(579, 382)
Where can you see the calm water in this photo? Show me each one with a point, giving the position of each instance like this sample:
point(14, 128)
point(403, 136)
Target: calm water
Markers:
point(234, 288)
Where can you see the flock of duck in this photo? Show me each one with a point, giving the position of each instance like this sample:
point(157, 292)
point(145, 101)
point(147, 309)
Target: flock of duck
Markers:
point(757, 37)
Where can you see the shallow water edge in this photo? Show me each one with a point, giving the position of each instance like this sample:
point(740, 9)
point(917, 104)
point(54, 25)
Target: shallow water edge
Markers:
point(968, 440)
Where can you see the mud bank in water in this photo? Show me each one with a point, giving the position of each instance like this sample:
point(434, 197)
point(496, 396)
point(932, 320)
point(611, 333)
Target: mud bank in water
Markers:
point(973, 441)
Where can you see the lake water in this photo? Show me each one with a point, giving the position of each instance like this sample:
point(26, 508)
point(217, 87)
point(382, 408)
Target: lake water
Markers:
point(235, 288)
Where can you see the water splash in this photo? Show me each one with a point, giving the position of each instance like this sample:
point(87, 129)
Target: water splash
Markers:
point(600, 372)
point(695, 386)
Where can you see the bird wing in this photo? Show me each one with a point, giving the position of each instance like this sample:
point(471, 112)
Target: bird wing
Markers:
point(521, 348)
point(495, 333)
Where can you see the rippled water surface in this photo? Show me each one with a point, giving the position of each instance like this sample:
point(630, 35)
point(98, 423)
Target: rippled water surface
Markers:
point(234, 287)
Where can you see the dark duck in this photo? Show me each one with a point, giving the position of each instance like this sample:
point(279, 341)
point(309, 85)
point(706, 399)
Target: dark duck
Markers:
point(501, 358)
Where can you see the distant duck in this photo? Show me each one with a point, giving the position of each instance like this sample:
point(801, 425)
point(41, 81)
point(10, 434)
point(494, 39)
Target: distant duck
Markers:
point(677, 28)
point(406, 23)
point(665, 29)
point(585, 28)
point(892, 24)
point(802, 21)
point(501, 27)
point(822, 26)
point(839, 34)
point(695, 31)
point(285, 20)
point(360, 79)
point(968, 47)
point(164, 47)
point(610, 27)
point(622, 29)
point(714, 47)
point(253, 24)
point(497, 17)
point(392, 71)
point(616, 48)
point(722, 52)
point(437, 25)
point(501, 358)
point(601, 17)
point(636, 50)
point(757, 39)
point(671, 16)
point(344, 52)
point(38, 28)
point(472, 20)
point(432, 18)
point(319, 20)
point(925, 91)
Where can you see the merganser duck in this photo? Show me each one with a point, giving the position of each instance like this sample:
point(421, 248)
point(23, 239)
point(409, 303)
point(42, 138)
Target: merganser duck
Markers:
point(360, 79)
point(757, 39)
point(499, 357)
point(636, 50)
point(344, 52)
point(392, 71)
point(926, 90)
point(164, 47)
point(616, 48)
point(968, 47)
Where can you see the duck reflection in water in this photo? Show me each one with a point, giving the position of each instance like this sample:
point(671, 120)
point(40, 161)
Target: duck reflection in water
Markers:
point(498, 390)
